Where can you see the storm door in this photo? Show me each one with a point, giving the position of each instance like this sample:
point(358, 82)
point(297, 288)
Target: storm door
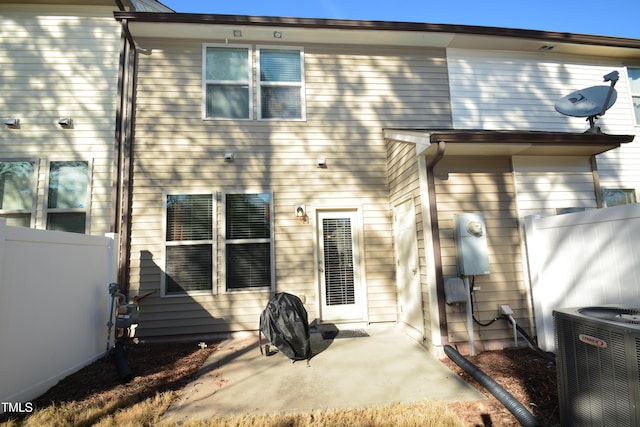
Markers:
point(339, 266)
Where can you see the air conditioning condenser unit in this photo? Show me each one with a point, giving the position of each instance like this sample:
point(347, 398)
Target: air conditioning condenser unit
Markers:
point(598, 363)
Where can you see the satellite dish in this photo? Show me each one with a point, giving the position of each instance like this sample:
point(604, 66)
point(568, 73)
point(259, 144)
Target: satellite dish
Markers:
point(590, 102)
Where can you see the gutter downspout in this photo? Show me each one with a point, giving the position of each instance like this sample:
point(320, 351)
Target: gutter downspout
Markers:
point(435, 236)
point(128, 68)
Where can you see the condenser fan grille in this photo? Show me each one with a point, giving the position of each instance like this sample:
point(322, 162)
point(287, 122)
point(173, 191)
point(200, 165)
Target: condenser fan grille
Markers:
point(626, 316)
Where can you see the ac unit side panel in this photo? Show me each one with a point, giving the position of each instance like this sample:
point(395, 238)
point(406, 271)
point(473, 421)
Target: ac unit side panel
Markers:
point(598, 365)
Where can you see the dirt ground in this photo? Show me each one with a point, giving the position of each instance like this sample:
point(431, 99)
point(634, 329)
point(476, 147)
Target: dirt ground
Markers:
point(162, 367)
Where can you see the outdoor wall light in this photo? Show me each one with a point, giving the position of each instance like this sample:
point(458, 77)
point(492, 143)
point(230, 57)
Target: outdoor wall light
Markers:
point(301, 213)
point(65, 122)
point(12, 123)
point(322, 162)
point(237, 33)
point(277, 35)
point(228, 157)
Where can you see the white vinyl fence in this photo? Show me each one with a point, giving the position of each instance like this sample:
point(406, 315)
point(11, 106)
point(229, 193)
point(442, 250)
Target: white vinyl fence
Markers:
point(54, 306)
point(583, 259)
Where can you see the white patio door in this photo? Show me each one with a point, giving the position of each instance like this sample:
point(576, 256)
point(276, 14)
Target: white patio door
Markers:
point(339, 266)
point(407, 268)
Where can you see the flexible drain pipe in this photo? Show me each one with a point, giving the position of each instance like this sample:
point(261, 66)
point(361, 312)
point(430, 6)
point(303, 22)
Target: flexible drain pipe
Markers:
point(524, 417)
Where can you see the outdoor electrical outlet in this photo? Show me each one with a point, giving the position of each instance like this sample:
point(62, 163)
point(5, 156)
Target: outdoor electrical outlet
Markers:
point(505, 310)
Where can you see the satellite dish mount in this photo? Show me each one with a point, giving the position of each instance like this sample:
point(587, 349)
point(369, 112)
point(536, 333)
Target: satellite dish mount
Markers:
point(591, 102)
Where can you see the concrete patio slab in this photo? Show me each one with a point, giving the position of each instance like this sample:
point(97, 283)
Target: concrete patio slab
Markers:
point(350, 371)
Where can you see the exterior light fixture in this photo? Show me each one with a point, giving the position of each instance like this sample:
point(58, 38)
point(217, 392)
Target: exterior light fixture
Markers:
point(65, 122)
point(322, 162)
point(546, 47)
point(301, 214)
point(228, 157)
point(12, 123)
point(277, 35)
point(237, 33)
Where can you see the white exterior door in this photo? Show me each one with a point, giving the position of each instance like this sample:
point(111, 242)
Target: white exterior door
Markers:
point(407, 267)
point(339, 266)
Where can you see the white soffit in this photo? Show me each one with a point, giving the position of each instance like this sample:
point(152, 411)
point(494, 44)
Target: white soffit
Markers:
point(290, 35)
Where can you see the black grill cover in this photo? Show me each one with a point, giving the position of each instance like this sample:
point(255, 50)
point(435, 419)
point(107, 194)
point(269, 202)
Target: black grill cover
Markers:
point(284, 323)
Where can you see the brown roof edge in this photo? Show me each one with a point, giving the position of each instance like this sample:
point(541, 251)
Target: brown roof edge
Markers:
point(526, 137)
point(345, 24)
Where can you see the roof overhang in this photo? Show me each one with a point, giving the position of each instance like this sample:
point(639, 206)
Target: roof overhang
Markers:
point(507, 143)
point(226, 28)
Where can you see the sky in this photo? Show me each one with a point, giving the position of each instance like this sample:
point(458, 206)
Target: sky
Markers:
point(619, 18)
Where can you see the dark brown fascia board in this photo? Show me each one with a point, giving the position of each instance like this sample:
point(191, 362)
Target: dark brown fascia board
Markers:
point(345, 24)
point(531, 137)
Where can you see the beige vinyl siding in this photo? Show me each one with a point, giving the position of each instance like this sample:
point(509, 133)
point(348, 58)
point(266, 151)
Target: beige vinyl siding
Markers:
point(352, 93)
point(404, 182)
point(484, 185)
point(517, 91)
point(59, 61)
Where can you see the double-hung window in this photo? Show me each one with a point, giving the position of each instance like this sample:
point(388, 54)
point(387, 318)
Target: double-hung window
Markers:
point(281, 83)
point(68, 196)
point(634, 87)
point(248, 241)
point(227, 82)
point(189, 244)
point(17, 204)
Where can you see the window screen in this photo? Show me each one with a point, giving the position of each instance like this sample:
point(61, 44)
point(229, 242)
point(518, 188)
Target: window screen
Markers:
point(16, 192)
point(281, 83)
point(189, 243)
point(248, 243)
point(227, 82)
point(68, 196)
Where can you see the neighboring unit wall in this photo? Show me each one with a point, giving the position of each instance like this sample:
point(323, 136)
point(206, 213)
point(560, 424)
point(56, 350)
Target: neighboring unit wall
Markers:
point(61, 61)
point(352, 93)
point(517, 91)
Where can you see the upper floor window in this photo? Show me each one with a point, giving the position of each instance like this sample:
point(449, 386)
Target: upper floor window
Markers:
point(634, 86)
point(17, 179)
point(227, 82)
point(68, 196)
point(281, 83)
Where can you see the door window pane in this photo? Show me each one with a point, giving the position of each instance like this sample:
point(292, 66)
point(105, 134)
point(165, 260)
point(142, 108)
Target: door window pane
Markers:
point(338, 261)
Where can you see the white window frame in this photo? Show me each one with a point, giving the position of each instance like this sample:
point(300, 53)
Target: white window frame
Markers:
point(34, 189)
point(248, 81)
point(301, 84)
point(271, 240)
point(632, 95)
point(86, 210)
point(212, 241)
point(627, 191)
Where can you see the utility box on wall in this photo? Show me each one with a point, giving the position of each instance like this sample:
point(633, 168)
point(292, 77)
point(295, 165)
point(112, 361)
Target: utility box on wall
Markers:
point(471, 242)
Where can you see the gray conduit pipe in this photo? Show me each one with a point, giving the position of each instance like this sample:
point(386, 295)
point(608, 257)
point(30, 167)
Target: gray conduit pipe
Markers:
point(524, 417)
